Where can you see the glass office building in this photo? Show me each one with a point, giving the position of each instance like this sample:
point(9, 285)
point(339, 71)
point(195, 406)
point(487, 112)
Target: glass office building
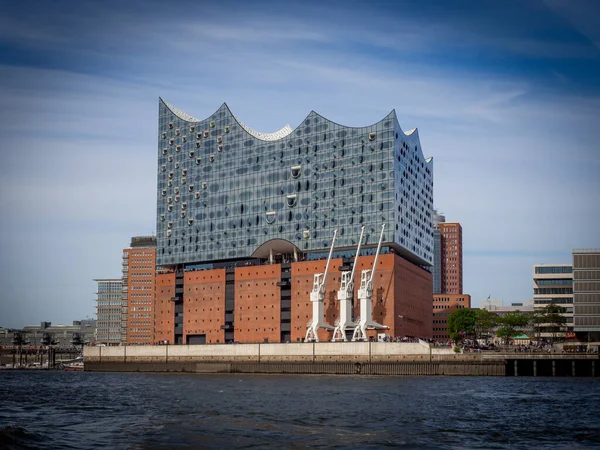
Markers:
point(108, 310)
point(586, 293)
point(226, 192)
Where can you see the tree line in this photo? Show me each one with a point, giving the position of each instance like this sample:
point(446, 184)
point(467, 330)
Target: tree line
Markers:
point(477, 323)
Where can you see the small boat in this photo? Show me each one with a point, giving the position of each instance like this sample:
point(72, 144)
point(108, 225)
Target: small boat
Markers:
point(76, 366)
point(72, 364)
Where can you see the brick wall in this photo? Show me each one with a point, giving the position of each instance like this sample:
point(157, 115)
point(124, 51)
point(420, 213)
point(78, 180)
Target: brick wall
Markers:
point(257, 303)
point(301, 286)
point(164, 308)
point(204, 305)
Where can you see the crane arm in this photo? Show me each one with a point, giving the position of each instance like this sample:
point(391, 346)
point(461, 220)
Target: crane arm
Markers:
point(376, 256)
point(322, 287)
point(362, 232)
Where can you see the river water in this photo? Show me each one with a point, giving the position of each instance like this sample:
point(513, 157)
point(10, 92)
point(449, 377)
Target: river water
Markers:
point(77, 410)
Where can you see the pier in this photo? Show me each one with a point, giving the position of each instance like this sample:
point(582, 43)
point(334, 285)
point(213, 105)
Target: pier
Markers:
point(364, 358)
point(42, 357)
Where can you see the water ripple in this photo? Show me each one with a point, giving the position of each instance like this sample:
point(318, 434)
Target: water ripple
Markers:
point(61, 410)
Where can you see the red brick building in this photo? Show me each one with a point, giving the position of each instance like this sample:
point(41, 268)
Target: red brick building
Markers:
point(443, 305)
point(271, 302)
point(452, 260)
point(449, 275)
point(235, 207)
point(139, 272)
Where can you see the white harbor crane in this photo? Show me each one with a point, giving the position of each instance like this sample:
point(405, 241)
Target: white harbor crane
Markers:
point(365, 297)
point(345, 296)
point(317, 297)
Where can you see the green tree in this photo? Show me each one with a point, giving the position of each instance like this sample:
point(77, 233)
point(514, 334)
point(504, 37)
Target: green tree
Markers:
point(461, 324)
point(510, 324)
point(536, 319)
point(484, 322)
point(549, 319)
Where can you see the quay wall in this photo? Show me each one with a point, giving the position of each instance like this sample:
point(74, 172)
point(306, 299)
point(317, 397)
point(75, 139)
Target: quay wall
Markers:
point(297, 352)
point(367, 358)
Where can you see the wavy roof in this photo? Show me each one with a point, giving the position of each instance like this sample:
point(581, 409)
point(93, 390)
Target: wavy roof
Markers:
point(283, 132)
point(279, 134)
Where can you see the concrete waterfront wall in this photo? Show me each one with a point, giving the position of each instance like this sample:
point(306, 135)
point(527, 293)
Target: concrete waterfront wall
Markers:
point(383, 358)
point(300, 352)
point(370, 358)
point(412, 368)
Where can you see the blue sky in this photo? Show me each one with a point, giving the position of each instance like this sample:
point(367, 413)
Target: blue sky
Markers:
point(506, 96)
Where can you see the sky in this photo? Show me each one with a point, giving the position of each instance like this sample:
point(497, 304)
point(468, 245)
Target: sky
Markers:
point(506, 97)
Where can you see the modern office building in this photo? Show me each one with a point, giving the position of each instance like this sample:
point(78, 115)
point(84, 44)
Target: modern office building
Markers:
point(139, 274)
point(447, 274)
point(586, 294)
point(437, 252)
point(553, 284)
point(451, 253)
point(443, 306)
point(245, 220)
point(108, 311)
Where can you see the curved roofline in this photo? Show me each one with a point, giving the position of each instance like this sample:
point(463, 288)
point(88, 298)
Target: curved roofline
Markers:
point(393, 111)
point(276, 135)
point(277, 244)
point(283, 132)
point(279, 134)
point(409, 133)
point(178, 112)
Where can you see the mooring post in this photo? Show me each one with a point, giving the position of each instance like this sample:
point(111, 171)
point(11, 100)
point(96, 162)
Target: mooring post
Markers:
point(553, 367)
point(573, 367)
point(534, 368)
point(516, 367)
point(593, 368)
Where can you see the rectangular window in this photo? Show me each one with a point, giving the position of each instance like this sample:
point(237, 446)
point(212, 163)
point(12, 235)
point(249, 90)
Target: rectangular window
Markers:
point(557, 269)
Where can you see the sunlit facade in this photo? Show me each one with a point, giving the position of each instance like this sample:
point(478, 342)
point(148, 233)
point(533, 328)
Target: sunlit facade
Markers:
point(224, 189)
point(108, 311)
point(245, 219)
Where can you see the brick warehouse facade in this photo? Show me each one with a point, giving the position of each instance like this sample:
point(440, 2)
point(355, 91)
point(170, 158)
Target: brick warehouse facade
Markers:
point(139, 271)
point(443, 306)
point(245, 219)
point(271, 302)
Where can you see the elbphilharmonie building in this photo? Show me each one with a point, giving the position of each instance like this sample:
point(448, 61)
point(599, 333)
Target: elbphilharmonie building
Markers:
point(232, 200)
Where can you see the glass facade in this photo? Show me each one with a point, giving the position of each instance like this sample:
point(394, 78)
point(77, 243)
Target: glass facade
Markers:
point(586, 291)
point(108, 311)
point(553, 269)
point(437, 261)
point(224, 190)
point(554, 282)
